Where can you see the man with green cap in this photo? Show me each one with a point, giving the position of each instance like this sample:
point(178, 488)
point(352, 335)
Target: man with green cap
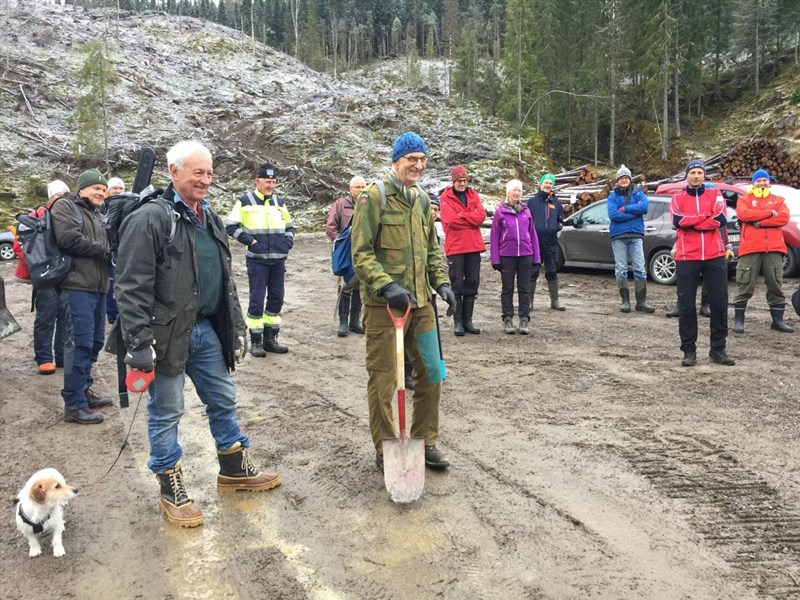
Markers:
point(79, 232)
point(397, 259)
point(548, 218)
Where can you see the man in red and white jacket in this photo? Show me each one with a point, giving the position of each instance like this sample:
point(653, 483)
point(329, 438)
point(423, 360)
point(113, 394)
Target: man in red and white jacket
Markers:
point(697, 213)
point(462, 215)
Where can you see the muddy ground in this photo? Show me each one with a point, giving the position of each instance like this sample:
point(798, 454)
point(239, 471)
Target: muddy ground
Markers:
point(586, 464)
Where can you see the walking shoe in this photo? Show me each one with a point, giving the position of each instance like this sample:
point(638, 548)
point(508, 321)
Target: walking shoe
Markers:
point(84, 416)
point(175, 502)
point(524, 328)
point(434, 459)
point(47, 368)
point(689, 358)
point(508, 325)
point(705, 310)
point(721, 357)
point(409, 383)
point(379, 461)
point(674, 313)
point(96, 401)
point(237, 473)
point(271, 341)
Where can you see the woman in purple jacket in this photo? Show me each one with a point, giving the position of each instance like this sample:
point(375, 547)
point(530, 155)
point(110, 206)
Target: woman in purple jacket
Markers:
point(514, 251)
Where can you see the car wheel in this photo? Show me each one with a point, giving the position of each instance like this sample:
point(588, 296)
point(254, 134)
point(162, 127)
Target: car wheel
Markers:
point(663, 268)
point(560, 260)
point(6, 251)
point(789, 262)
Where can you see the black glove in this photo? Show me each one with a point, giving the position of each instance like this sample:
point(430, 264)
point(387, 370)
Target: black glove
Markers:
point(143, 359)
point(447, 294)
point(497, 267)
point(397, 296)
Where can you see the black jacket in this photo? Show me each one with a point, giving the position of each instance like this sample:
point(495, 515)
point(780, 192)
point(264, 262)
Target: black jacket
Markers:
point(156, 284)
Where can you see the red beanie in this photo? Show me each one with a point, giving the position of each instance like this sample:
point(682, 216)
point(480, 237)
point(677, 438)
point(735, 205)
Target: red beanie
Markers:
point(458, 172)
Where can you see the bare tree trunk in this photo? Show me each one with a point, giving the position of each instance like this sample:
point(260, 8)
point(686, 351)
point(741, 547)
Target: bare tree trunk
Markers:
point(596, 120)
point(612, 126)
point(676, 99)
point(519, 74)
point(757, 49)
point(665, 119)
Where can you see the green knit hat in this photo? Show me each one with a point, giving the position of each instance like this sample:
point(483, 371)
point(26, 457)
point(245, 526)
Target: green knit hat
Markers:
point(91, 177)
point(547, 176)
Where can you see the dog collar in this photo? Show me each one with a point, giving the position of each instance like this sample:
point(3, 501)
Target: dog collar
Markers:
point(37, 527)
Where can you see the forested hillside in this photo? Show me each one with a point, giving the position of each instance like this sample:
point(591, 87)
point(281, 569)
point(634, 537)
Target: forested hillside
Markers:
point(580, 74)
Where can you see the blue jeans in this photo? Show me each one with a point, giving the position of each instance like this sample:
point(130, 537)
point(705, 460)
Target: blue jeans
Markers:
point(87, 311)
point(205, 366)
point(625, 250)
point(52, 315)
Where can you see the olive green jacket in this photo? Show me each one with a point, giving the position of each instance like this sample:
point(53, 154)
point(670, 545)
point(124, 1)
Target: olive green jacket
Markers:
point(399, 245)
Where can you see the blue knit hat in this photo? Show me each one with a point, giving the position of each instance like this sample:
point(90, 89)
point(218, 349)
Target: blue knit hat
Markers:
point(759, 174)
point(695, 163)
point(406, 144)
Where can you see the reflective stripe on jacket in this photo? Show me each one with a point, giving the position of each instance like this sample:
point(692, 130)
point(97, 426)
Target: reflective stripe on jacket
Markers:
point(265, 220)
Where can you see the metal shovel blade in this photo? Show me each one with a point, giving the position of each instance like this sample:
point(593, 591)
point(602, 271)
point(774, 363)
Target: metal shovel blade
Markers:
point(8, 323)
point(404, 468)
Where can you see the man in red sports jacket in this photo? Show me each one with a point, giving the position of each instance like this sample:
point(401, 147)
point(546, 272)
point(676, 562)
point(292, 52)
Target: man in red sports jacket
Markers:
point(697, 213)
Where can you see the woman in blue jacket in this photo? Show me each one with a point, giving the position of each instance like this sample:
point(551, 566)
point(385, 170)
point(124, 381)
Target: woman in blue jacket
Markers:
point(514, 249)
point(627, 206)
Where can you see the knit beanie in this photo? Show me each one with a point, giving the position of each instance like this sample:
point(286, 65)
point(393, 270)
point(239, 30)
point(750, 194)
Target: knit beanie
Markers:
point(56, 187)
point(759, 174)
point(406, 144)
point(91, 177)
point(435, 199)
point(116, 182)
point(547, 176)
point(623, 172)
point(695, 163)
point(458, 172)
point(266, 171)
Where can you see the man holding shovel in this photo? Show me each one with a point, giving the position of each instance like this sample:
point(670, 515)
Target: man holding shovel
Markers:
point(398, 261)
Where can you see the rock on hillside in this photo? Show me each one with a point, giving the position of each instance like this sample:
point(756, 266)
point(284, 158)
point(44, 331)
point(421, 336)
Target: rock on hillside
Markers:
point(185, 78)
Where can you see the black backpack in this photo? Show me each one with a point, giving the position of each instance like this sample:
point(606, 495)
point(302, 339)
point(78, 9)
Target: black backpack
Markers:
point(122, 205)
point(47, 263)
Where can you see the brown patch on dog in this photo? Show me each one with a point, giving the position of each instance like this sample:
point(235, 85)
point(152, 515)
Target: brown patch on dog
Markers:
point(41, 489)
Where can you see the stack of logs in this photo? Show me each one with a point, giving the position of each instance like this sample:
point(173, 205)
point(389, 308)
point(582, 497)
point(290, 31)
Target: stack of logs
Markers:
point(742, 160)
point(580, 187)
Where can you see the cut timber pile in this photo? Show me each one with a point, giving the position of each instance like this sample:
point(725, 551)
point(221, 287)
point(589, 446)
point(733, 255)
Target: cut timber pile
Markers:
point(742, 160)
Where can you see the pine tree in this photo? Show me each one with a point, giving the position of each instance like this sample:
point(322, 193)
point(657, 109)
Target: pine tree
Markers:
point(520, 65)
point(97, 77)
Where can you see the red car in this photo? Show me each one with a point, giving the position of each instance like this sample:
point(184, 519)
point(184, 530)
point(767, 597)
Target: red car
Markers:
point(731, 191)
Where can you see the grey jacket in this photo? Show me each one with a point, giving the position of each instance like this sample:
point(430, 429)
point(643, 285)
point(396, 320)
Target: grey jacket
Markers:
point(85, 241)
point(156, 284)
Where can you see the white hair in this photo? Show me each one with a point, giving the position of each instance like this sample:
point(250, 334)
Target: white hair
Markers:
point(513, 184)
point(357, 179)
point(178, 154)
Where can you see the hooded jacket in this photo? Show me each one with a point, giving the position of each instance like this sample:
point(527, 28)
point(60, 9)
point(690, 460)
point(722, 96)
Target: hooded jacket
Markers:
point(697, 214)
point(766, 236)
point(462, 224)
point(513, 234)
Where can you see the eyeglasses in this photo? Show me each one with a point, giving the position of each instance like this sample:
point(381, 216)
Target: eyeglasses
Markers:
point(417, 159)
point(462, 180)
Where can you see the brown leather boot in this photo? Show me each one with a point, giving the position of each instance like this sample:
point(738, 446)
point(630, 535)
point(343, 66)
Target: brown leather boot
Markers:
point(237, 473)
point(176, 504)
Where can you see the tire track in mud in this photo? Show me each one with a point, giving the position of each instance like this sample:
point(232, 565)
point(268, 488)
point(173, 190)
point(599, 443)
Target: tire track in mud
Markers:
point(732, 507)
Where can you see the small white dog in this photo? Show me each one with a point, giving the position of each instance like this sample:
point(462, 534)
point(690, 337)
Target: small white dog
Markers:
point(39, 509)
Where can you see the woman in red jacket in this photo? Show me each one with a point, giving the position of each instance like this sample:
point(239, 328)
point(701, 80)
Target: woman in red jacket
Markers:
point(761, 250)
point(462, 216)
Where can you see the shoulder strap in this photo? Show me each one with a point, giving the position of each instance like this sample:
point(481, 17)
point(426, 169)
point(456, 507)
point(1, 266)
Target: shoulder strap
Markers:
point(425, 200)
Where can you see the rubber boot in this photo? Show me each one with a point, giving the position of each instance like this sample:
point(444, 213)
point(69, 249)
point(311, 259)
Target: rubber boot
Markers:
point(625, 294)
point(469, 308)
point(777, 319)
point(641, 297)
point(257, 345)
point(508, 325)
point(343, 325)
point(458, 317)
point(271, 341)
point(355, 317)
point(533, 292)
point(738, 318)
point(705, 309)
point(524, 325)
point(237, 473)
point(552, 286)
point(175, 503)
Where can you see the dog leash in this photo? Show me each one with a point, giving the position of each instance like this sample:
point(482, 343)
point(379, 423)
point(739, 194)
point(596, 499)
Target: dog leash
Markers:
point(122, 447)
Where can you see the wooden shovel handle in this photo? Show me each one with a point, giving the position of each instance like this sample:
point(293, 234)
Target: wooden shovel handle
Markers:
point(399, 326)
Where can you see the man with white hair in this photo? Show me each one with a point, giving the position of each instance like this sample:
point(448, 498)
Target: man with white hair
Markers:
point(349, 296)
point(180, 315)
point(115, 186)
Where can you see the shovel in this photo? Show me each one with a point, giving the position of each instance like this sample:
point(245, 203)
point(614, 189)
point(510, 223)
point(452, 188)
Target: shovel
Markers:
point(403, 457)
point(8, 324)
